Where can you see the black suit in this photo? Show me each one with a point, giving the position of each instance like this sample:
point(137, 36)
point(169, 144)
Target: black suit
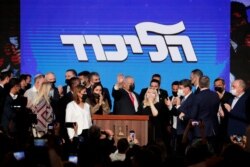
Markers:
point(122, 102)
point(177, 134)
point(238, 121)
point(2, 99)
point(9, 114)
point(65, 87)
point(224, 120)
point(185, 107)
point(54, 102)
point(63, 102)
point(205, 108)
point(197, 90)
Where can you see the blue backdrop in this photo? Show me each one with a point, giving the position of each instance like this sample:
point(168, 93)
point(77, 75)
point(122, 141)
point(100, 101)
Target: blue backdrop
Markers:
point(47, 43)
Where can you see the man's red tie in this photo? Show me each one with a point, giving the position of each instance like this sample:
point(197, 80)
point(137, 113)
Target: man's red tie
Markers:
point(131, 97)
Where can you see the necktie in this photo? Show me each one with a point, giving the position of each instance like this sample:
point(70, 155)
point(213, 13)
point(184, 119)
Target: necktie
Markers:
point(131, 97)
point(183, 100)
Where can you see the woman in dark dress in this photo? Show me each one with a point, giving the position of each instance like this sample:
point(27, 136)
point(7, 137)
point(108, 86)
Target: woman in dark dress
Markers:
point(152, 107)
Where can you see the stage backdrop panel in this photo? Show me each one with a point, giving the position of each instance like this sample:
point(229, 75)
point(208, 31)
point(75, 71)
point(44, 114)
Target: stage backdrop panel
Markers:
point(135, 38)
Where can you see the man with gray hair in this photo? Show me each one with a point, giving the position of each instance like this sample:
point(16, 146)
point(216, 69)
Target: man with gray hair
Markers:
point(238, 109)
point(126, 101)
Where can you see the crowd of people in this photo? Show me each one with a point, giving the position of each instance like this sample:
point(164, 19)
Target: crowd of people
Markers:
point(51, 125)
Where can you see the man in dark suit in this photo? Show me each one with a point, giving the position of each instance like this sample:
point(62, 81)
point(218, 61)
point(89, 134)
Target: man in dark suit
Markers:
point(9, 115)
point(238, 109)
point(70, 73)
point(126, 101)
point(4, 79)
point(155, 83)
point(219, 87)
point(205, 108)
point(195, 76)
point(181, 110)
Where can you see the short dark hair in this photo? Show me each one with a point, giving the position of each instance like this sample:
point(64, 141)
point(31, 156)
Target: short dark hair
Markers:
point(155, 80)
point(186, 83)
point(204, 82)
point(13, 82)
point(197, 72)
point(23, 77)
point(175, 83)
point(84, 73)
point(220, 79)
point(122, 145)
point(156, 75)
point(92, 74)
point(73, 71)
point(73, 81)
point(240, 8)
point(4, 75)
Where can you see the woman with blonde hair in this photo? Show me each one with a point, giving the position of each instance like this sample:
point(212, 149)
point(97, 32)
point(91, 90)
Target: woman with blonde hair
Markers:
point(42, 108)
point(152, 107)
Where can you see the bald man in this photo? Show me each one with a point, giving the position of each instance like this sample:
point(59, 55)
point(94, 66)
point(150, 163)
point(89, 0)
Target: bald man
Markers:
point(238, 109)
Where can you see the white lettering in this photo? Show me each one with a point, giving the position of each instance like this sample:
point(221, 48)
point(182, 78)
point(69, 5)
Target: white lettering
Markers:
point(163, 37)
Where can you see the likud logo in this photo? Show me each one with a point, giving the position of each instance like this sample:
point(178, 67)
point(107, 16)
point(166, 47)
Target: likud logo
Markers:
point(165, 38)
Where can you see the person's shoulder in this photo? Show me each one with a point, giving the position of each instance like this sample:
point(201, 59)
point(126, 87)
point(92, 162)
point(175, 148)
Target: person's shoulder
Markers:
point(228, 93)
point(27, 92)
point(87, 105)
point(144, 89)
point(71, 104)
point(163, 91)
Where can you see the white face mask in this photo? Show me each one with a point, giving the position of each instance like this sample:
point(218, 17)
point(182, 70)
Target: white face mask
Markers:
point(233, 91)
point(180, 92)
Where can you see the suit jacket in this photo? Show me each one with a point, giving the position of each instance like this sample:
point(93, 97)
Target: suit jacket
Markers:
point(224, 120)
point(2, 99)
point(9, 114)
point(197, 91)
point(205, 108)
point(163, 94)
point(122, 102)
point(60, 113)
point(65, 87)
point(185, 107)
point(237, 121)
point(54, 102)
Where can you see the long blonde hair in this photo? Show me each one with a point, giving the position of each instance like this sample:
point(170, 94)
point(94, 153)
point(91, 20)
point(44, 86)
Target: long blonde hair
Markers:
point(43, 93)
point(145, 100)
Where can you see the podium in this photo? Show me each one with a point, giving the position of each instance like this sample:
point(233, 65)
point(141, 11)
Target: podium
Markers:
point(122, 124)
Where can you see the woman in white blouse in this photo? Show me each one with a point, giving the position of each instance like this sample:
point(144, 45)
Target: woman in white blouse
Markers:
point(78, 111)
